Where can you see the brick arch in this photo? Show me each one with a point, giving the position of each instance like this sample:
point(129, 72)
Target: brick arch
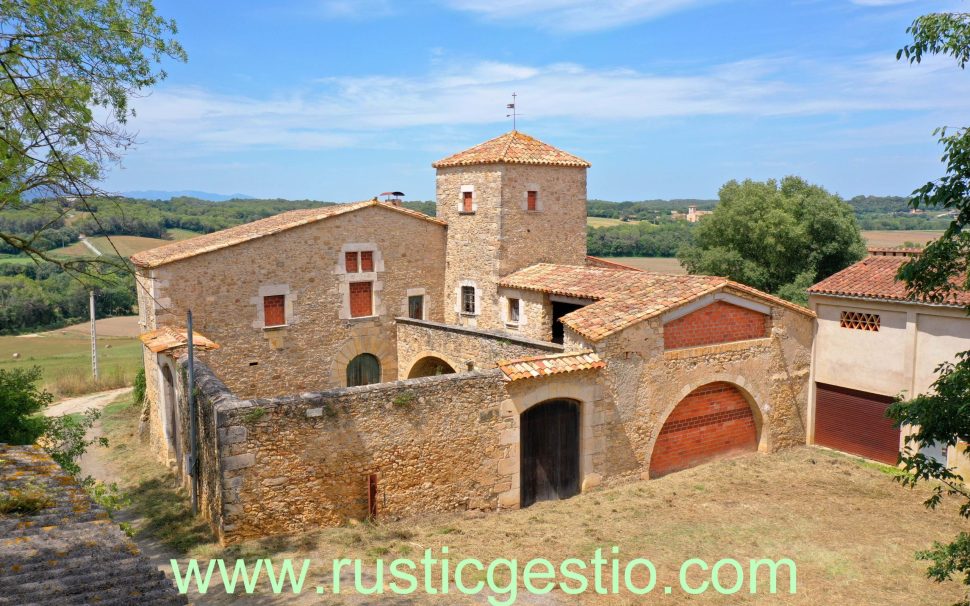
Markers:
point(428, 353)
point(353, 347)
point(712, 421)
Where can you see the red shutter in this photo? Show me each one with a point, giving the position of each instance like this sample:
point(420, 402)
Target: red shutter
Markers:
point(855, 422)
point(367, 261)
point(350, 260)
point(531, 200)
point(361, 300)
point(466, 197)
point(274, 313)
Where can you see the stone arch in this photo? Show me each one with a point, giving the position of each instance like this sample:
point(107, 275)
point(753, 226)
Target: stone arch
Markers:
point(382, 348)
point(430, 366)
point(169, 409)
point(709, 420)
point(414, 370)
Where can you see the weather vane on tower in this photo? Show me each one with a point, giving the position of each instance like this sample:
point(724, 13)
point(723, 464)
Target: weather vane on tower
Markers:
point(513, 114)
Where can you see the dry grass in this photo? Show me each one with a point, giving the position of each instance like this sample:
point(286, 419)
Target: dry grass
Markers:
point(119, 326)
point(664, 265)
point(893, 238)
point(126, 245)
point(851, 531)
point(604, 222)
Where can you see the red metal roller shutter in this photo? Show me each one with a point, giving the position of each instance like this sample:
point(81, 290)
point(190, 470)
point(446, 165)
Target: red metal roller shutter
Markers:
point(855, 422)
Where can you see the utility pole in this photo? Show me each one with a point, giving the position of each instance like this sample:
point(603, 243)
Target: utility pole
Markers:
point(94, 340)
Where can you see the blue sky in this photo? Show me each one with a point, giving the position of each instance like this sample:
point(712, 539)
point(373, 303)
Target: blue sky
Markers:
point(341, 100)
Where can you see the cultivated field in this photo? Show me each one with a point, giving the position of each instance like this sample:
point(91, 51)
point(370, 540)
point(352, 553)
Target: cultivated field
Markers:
point(65, 357)
point(126, 245)
point(602, 222)
point(664, 265)
point(881, 239)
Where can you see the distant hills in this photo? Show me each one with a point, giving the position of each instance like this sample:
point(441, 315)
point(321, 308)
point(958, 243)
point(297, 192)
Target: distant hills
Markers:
point(161, 194)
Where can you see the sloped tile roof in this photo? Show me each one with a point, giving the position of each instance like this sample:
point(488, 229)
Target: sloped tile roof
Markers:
point(623, 297)
point(512, 148)
point(224, 238)
point(875, 278)
point(541, 366)
point(68, 551)
point(600, 262)
point(168, 338)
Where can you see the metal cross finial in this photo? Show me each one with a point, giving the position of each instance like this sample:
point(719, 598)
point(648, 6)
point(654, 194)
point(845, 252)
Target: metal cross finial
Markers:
point(511, 106)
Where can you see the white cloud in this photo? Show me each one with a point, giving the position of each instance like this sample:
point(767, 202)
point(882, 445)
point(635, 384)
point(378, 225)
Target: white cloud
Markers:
point(574, 15)
point(358, 111)
point(880, 2)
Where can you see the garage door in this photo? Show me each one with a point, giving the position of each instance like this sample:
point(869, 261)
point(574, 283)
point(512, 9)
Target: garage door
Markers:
point(855, 422)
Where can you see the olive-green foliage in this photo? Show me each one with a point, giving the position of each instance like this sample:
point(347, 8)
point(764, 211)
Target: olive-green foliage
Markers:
point(780, 237)
point(942, 415)
point(138, 387)
point(20, 404)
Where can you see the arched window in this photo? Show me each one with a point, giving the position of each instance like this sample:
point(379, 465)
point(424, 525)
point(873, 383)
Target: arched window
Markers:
point(363, 370)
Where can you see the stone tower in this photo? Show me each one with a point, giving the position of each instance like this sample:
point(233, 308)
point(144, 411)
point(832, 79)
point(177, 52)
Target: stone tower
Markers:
point(510, 202)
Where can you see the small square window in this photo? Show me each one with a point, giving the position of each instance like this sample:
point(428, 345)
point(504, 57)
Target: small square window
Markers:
point(274, 311)
point(350, 262)
point(367, 261)
point(468, 299)
point(532, 199)
point(416, 307)
point(513, 311)
point(361, 299)
point(466, 202)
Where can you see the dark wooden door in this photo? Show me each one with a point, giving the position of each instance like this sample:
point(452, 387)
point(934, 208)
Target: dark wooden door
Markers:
point(855, 422)
point(549, 464)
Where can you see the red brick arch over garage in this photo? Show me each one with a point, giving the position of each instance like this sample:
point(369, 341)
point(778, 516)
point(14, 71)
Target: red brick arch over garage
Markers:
point(711, 422)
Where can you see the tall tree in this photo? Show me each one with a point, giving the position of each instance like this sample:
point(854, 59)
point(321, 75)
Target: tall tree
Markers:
point(780, 237)
point(68, 69)
point(942, 416)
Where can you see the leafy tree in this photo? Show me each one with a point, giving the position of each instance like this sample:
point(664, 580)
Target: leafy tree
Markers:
point(780, 237)
point(20, 405)
point(942, 416)
point(67, 71)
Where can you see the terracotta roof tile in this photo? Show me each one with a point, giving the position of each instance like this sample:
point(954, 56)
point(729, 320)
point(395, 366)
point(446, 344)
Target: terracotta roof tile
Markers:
point(512, 148)
point(198, 245)
point(875, 278)
point(168, 338)
point(623, 297)
point(542, 366)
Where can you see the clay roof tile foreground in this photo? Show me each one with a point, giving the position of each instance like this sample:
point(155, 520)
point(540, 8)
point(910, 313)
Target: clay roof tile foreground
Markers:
point(512, 148)
point(542, 366)
point(875, 278)
point(168, 338)
point(224, 238)
point(621, 298)
point(62, 548)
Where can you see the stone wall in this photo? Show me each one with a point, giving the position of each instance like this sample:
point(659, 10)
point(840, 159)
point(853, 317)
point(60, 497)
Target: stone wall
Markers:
point(458, 345)
point(299, 462)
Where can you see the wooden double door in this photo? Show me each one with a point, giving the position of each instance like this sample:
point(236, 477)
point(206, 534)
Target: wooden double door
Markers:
point(549, 451)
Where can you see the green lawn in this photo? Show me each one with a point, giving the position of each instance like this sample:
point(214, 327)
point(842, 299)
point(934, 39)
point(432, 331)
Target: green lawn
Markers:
point(66, 360)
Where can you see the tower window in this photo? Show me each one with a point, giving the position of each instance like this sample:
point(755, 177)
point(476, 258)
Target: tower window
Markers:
point(416, 307)
point(466, 202)
point(274, 311)
point(467, 299)
point(532, 199)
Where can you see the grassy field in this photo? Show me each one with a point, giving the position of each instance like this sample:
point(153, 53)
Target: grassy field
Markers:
point(65, 358)
point(602, 222)
point(850, 530)
point(880, 239)
point(126, 245)
point(664, 265)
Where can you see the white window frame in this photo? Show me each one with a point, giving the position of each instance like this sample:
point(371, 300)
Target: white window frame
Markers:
point(270, 290)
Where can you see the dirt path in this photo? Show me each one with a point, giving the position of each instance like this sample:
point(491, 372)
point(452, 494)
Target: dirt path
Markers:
point(80, 404)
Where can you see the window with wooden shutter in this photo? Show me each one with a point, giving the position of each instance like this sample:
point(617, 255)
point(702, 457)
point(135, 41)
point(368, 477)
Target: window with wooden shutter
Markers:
point(468, 299)
point(274, 310)
point(416, 307)
point(361, 299)
point(466, 202)
point(367, 261)
point(532, 198)
point(350, 262)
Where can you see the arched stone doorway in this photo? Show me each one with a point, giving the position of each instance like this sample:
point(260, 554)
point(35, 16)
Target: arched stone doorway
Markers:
point(549, 451)
point(170, 406)
point(430, 366)
point(715, 420)
point(364, 369)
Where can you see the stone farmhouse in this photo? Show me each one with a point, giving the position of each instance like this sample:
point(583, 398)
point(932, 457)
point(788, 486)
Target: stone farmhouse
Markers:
point(366, 360)
point(875, 342)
